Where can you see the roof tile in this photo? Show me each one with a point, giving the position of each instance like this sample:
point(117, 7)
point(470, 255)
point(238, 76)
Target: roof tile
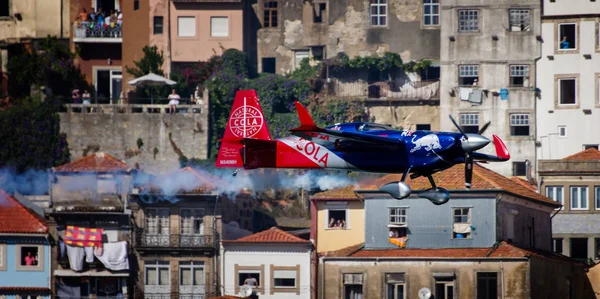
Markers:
point(590, 154)
point(450, 179)
point(272, 235)
point(97, 162)
point(17, 219)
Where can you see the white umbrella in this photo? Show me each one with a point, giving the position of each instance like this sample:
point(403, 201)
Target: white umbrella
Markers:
point(151, 79)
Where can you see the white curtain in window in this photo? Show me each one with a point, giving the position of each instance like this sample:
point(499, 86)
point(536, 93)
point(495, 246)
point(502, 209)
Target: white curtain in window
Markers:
point(198, 276)
point(186, 26)
point(285, 274)
point(164, 276)
point(219, 26)
point(186, 276)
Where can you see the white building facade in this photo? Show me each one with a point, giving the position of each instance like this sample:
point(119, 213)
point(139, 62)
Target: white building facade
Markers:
point(275, 262)
point(568, 76)
point(488, 55)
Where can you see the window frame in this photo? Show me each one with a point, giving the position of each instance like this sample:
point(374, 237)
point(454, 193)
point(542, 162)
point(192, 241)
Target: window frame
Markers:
point(228, 27)
point(555, 189)
point(469, 222)
point(159, 222)
point(3, 259)
point(353, 283)
point(378, 15)
point(465, 23)
point(347, 218)
point(192, 267)
point(272, 11)
point(9, 9)
point(560, 127)
point(136, 5)
point(464, 122)
point(467, 71)
point(280, 289)
point(154, 25)
point(250, 269)
point(399, 216)
point(579, 200)
point(559, 38)
point(41, 258)
point(517, 119)
point(597, 197)
point(526, 69)
point(157, 265)
point(556, 241)
point(179, 27)
point(514, 165)
point(476, 284)
point(559, 91)
point(296, 62)
point(431, 4)
point(192, 217)
point(519, 10)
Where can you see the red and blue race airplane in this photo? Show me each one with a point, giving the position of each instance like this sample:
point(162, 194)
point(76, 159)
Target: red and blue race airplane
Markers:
point(358, 147)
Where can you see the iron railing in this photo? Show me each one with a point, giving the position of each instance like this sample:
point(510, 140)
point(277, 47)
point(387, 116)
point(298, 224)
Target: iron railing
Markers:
point(174, 240)
point(402, 89)
point(128, 108)
point(155, 293)
point(83, 30)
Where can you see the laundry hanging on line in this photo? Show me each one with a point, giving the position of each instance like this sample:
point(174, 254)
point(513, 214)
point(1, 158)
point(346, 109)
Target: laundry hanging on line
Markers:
point(83, 237)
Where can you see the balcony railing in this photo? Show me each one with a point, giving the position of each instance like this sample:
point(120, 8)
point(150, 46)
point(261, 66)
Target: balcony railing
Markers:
point(97, 32)
point(175, 240)
point(402, 90)
point(164, 292)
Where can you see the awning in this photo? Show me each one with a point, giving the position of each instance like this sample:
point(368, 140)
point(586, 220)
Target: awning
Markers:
point(69, 273)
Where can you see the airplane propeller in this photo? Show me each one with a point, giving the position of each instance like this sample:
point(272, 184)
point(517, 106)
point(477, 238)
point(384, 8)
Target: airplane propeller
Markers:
point(477, 141)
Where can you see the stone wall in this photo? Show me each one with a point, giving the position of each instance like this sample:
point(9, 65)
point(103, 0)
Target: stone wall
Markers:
point(115, 130)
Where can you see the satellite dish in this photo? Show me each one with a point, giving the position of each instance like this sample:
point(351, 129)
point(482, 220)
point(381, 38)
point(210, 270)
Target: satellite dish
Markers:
point(424, 293)
point(246, 291)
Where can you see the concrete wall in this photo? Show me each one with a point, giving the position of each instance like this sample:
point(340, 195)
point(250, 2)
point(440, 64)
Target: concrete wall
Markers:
point(494, 58)
point(202, 46)
point(580, 127)
point(136, 35)
point(40, 18)
point(116, 134)
point(573, 7)
point(334, 239)
point(406, 114)
point(10, 276)
point(419, 274)
point(430, 226)
point(550, 278)
point(346, 28)
point(266, 256)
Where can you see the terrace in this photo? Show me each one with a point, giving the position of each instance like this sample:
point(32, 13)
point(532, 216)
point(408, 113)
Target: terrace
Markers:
point(94, 32)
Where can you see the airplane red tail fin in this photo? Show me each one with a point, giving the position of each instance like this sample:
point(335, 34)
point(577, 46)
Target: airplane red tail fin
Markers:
point(246, 120)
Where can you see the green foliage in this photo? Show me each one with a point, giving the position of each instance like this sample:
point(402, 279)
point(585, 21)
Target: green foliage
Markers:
point(50, 64)
point(152, 62)
point(389, 61)
point(31, 136)
point(305, 71)
point(339, 111)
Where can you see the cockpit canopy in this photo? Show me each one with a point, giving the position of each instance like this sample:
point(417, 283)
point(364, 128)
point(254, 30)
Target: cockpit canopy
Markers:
point(365, 127)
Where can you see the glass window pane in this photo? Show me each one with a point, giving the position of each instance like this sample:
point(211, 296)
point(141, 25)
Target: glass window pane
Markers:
point(186, 276)
point(164, 276)
point(198, 276)
point(151, 276)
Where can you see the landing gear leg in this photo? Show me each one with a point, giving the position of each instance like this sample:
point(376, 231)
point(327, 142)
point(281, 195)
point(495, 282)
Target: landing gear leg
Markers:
point(436, 195)
point(235, 172)
point(432, 182)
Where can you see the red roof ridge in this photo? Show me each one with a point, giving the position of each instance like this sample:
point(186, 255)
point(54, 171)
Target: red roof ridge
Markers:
point(96, 162)
point(590, 154)
point(18, 219)
point(271, 235)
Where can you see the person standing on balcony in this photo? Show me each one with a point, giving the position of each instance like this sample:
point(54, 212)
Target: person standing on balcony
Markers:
point(173, 102)
point(83, 16)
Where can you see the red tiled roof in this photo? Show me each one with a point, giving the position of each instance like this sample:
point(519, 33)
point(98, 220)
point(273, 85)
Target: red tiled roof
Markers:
point(17, 219)
point(590, 154)
point(504, 250)
point(97, 162)
point(24, 289)
point(524, 183)
point(272, 235)
point(451, 179)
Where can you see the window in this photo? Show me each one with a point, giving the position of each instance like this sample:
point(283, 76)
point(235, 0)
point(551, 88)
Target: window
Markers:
point(268, 65)
point(378, 12)
point(191, 273)
point(555, 193)
point(186, 26)
point(597, 248)
point(2, 257)
point(157, 273)
point(469, 122)
point(353, 288)
point(468, 20)
point(431, 12)
point(191, 221)
point(219, 26)
point(519, 124)
point(395, 283)
point(157, 221)
point(398, 216)
point(567, 91)
point(319, 11)
point(444, 288)
point(487, 285)
point(562, 131)
point(397, 226)
point(158, 25)
point(519, 169)
point(423, 127)
point(29, 256)
point(249, 277)
point(587, 146)
point(285, 278)
point(567, 37)
point(299, 56)
point(557, 245)
point(579, 198)
point(461, 223)
point(136, 4)
point(579, 248)
point(520, 20)
point(270, 14)
point(337, 219)
point(5, 9)
point(468, 75)
point(317, 52)
point(519, 75)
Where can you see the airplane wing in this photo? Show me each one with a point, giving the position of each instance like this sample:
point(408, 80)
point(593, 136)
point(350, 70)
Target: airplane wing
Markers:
point(309, 130)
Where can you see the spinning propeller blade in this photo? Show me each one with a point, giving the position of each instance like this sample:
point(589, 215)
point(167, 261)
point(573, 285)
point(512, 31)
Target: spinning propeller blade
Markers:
point(458, 127)
point(469, 146)
point(468, 169)
point(482, 130)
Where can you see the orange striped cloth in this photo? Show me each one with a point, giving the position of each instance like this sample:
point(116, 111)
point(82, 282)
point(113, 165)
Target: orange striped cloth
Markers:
point(85, 237)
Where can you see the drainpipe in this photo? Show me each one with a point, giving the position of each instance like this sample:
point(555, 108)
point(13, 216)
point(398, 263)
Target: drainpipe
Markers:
point(502, 277)
point(322, 262)
point(61, 18)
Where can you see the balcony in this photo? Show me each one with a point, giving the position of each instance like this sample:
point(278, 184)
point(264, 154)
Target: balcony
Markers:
point(92, 32)
point(163, 292)
point(394, 90)
point(171, 241)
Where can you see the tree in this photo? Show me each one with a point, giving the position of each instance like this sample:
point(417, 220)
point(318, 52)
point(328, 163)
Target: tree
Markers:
point(152, 62)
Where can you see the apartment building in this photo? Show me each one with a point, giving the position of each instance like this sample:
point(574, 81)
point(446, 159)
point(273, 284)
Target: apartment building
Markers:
point(488, 59)
point(568, 77)
point(574, 182)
